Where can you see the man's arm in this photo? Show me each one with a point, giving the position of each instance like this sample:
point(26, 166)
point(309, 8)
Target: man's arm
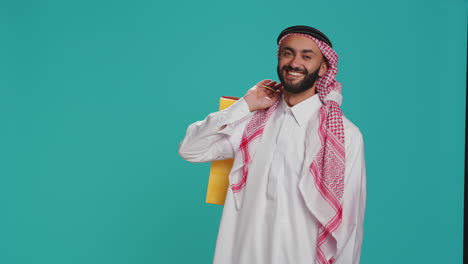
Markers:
point(218, 136)
point(354, 200)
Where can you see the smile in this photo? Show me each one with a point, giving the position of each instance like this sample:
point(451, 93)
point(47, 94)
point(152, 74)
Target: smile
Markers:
point(295, 73)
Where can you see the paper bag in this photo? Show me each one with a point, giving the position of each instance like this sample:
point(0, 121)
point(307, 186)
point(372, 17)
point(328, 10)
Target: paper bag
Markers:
point(219, 171)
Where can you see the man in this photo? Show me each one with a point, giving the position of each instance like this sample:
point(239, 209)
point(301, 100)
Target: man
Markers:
point(297, 186)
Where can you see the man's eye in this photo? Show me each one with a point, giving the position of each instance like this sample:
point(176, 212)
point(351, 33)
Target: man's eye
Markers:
point(306, 58)
point(287, 53)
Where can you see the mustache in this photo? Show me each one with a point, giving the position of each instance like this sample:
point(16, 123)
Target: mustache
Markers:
point(289, 68)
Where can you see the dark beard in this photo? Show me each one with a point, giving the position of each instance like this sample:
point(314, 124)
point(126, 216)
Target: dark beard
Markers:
point(304, 85)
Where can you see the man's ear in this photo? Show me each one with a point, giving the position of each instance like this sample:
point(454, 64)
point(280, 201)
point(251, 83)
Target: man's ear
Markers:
point(323, 69)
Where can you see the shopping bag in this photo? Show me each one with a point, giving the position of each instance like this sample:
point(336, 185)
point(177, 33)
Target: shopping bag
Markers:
point(219, 171)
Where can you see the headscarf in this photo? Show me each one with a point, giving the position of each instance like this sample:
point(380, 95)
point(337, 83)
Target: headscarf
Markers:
point(328, 166)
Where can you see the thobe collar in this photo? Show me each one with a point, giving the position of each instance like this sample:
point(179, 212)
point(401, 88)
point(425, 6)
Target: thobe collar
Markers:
point(303, 111)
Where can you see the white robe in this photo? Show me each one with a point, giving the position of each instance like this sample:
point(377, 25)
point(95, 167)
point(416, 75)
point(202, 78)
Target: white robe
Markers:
point(273, 225)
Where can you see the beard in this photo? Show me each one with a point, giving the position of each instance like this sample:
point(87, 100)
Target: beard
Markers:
point(307, 83)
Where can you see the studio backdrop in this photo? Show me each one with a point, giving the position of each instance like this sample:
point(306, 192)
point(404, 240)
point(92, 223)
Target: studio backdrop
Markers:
point(95, 97)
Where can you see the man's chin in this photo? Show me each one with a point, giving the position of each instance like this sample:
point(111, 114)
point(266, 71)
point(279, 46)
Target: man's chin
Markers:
point(296, 89)
point(293, 84)
point(292, 89)
point(292, 81)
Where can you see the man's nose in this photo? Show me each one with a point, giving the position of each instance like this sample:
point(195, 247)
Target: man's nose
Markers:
point(295, 62)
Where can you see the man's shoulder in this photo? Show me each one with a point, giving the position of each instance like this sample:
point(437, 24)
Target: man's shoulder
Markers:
point(352, 132)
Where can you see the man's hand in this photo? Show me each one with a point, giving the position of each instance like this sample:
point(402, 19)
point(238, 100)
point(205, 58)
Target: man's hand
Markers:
point(259, 97)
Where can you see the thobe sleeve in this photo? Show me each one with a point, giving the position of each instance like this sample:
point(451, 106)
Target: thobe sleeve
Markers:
point(354, 201)
point(218, 136)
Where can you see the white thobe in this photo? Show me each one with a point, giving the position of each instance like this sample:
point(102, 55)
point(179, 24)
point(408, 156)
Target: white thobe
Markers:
point(273, 225)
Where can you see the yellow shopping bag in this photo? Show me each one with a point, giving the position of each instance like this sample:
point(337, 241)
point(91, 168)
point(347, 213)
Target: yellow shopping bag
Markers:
point(219, 171)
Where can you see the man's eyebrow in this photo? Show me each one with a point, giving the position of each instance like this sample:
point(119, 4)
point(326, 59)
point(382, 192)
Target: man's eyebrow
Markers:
point(307, 51)
point(303, 51)
point(288, 48)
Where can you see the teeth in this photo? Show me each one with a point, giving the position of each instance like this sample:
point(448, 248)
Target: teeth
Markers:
point(295, 73)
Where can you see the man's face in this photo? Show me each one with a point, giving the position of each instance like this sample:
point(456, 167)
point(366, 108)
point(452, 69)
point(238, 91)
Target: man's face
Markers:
point(300, 63)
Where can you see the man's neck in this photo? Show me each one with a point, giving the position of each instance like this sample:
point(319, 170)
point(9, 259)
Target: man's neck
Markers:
point(293, 99)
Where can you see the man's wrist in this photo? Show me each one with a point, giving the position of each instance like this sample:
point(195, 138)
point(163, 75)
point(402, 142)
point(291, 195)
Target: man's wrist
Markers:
point(236, 112)
point(250, 104)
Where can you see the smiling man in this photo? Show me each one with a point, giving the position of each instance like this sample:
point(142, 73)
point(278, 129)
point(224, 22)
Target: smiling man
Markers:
point(298, 186)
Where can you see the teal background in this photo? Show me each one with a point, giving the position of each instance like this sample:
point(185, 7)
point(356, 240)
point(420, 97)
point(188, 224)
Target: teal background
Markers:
point(95, 97)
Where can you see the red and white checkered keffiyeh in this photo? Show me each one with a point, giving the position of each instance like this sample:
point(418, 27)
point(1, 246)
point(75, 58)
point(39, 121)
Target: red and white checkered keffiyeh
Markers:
point(327, 168)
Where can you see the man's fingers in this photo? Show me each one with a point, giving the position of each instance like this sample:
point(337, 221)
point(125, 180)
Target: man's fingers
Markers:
point(278, 86)
point(271, 84)
point(277, 94)
point(269, 88)
point(265, 82)
point(268, 82)
point(274, 96)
